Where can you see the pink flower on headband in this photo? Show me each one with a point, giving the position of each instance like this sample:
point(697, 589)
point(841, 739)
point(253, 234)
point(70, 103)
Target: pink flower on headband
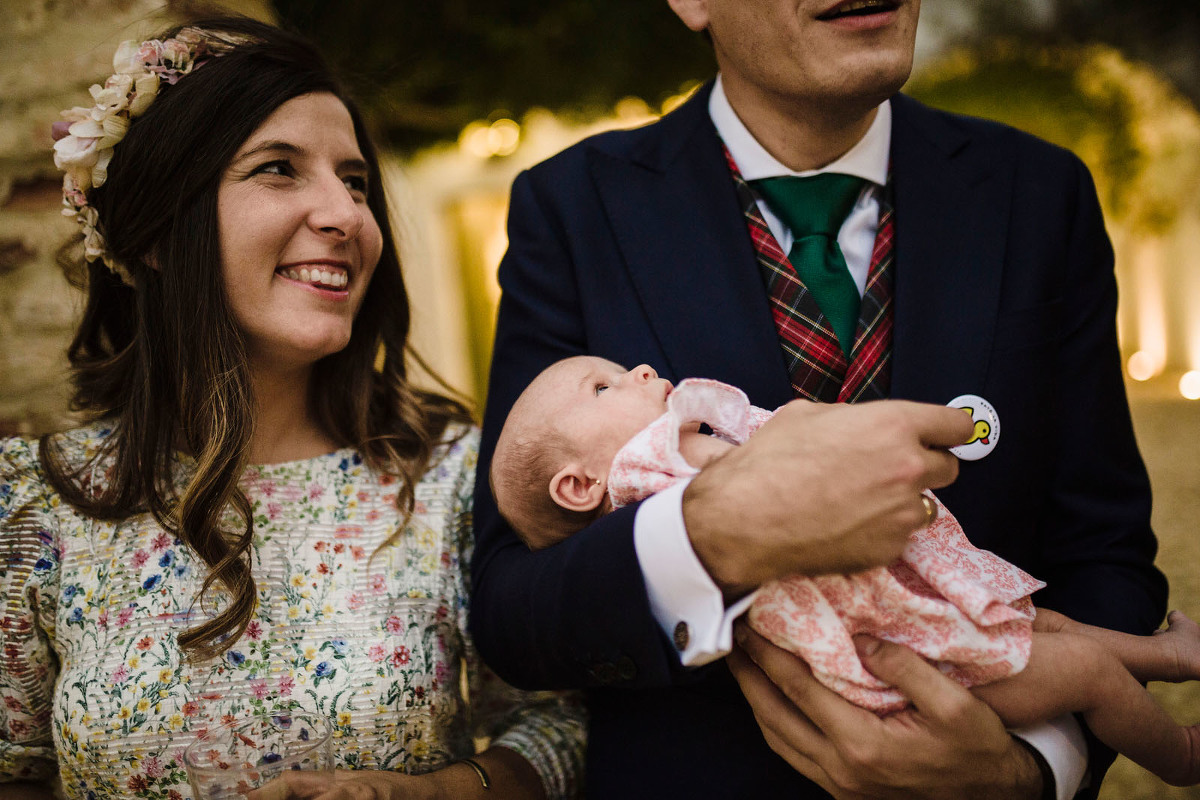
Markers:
point(84, 139)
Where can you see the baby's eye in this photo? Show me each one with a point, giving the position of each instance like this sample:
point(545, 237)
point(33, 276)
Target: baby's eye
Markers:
point(600, 387)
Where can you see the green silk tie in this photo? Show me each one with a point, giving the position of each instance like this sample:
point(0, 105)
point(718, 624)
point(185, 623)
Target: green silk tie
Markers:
point(814, 209)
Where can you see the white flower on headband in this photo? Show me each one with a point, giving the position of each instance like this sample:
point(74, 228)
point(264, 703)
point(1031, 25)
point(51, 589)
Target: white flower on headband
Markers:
point(86, 137)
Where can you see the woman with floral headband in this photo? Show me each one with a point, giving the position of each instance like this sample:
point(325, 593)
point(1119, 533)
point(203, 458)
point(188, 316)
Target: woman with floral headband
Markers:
point(261, 512)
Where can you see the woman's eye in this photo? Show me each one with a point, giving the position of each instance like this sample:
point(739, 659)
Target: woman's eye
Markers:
point(274, 168)
point(356, 183)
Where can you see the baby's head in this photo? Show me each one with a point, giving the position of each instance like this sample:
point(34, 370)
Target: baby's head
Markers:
point(550, 471)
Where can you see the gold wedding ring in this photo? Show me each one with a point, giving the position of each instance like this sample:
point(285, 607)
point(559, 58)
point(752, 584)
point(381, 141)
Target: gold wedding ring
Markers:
point(931, 510)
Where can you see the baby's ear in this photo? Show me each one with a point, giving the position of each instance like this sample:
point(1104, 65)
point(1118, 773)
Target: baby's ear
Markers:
point(573, 489)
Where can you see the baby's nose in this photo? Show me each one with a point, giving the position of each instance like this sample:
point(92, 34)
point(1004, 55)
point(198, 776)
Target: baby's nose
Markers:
point(643, 373)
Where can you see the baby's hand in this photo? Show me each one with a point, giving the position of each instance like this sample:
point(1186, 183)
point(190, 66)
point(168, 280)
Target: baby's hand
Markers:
point(1184, 637)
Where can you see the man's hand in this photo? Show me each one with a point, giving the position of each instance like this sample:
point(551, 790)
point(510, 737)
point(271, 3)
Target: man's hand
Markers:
point(948, 746)
point(821, 489)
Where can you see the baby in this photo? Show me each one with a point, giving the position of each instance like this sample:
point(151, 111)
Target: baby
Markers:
point(588, 436)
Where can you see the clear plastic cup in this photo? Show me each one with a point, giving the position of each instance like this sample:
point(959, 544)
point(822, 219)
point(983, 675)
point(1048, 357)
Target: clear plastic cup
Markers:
point(227, 761)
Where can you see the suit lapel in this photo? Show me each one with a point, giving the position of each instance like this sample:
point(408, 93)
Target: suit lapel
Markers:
point(951, 210)
point(674, 212)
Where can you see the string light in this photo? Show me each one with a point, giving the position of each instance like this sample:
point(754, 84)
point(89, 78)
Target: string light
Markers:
point(1189, 384)
point(485, 140)
point(1141, 366)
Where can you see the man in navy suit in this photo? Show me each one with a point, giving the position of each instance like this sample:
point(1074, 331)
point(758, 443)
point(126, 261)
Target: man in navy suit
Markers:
point(983, 267)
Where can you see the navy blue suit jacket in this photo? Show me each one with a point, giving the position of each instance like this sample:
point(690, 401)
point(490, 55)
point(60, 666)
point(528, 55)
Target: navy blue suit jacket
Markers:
point(631, 246)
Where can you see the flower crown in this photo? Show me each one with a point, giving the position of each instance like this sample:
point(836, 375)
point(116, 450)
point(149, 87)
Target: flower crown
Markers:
point(85, 137)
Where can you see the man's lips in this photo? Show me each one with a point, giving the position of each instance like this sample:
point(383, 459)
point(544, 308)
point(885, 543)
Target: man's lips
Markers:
point(858, 8)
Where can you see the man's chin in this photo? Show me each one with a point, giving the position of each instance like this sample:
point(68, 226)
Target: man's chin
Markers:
point(872, 87)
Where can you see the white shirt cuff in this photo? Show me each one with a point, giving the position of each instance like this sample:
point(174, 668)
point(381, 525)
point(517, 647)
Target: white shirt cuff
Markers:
point(1061, 743)
point(683, 598)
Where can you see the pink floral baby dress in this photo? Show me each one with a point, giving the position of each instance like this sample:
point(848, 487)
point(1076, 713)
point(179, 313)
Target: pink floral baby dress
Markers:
point(965, 609)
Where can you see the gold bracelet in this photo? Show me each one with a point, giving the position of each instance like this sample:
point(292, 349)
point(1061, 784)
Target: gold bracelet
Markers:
point(479, 770)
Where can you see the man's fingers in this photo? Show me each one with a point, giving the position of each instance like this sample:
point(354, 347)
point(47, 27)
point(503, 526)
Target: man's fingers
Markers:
point(940, 426)
point(775, 712)
point(789, 735)
point(786, 730)
point(941, 469)
point(934, 694)
point(828, 714)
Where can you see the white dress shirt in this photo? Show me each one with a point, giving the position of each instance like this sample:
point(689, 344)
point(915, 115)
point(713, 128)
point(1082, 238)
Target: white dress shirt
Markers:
point(680, 590)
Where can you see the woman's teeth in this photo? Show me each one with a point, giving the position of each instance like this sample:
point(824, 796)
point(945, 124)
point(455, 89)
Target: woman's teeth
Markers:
point(334, 279)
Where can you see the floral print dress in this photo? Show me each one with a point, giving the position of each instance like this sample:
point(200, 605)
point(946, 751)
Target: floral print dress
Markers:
point(93, 685)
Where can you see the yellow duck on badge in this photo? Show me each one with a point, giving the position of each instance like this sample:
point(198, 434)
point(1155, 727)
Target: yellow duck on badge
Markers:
point(982, 428)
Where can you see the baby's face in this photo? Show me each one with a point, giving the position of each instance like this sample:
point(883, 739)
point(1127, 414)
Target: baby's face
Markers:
point(599, 405)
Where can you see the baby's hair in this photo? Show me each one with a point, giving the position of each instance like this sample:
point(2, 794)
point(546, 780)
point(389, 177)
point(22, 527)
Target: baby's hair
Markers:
point(523, 464)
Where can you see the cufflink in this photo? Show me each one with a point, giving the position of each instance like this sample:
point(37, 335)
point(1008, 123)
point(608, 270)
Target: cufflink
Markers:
point(682, 636)
point(605, 673)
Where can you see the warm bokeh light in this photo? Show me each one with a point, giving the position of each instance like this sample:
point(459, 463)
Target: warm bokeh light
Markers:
point(474, 139)
point(634, 110)
point(495, 242)
point(1141, 366)
point(503, 137)
point(1149, 298)
point(484, 140)
point(1154, 227)
point(1189, 384)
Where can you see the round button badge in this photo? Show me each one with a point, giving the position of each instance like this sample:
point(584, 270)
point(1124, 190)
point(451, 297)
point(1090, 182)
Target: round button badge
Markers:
point(987, 427)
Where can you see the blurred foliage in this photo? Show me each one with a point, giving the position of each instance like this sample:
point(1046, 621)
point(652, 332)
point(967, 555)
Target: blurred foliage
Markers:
point(424, 70)
point(1037, 91)
point(1139, 136)
point(1162, 33)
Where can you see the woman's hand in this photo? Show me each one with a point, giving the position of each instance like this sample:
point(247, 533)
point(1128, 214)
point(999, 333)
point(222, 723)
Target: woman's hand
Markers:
point(28, 790)
point(510, 776)
point(348, 785)
point(949, 745)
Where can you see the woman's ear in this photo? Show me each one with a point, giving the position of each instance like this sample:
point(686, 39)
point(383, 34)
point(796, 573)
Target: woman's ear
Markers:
point(573, 489)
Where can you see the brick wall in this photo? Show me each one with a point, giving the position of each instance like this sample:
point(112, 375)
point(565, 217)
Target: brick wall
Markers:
point(50, 52)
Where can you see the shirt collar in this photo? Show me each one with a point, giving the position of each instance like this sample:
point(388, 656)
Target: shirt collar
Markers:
point(867, 159)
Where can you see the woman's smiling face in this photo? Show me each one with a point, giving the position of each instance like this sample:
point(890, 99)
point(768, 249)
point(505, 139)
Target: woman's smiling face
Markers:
point(298, 243)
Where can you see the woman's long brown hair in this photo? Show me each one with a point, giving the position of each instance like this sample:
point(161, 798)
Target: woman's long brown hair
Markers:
point(164, 362)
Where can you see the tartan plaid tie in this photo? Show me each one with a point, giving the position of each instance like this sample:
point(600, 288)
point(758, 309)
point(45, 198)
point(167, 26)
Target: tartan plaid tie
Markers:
point(814, 360)
point(814, 209)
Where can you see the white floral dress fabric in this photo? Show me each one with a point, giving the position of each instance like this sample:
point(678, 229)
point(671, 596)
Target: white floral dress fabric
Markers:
point(93, 685)
point(966, 610)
